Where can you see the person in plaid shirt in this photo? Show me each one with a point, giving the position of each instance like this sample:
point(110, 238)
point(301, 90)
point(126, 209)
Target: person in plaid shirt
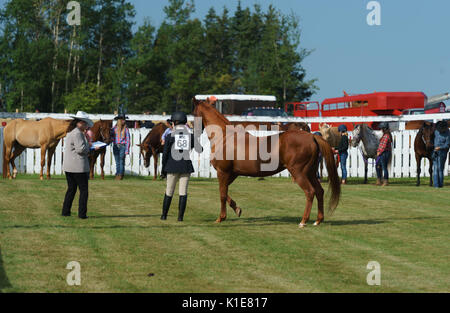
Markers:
point(384, 152)
point(121, 144)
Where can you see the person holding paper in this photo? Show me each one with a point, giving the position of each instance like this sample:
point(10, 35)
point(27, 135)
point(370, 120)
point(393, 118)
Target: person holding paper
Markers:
point(76, 164)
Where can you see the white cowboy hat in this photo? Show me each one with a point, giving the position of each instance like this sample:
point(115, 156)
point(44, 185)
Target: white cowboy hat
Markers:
point(83, 116)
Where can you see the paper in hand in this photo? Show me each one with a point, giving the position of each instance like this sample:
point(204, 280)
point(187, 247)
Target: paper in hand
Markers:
point(98, 144)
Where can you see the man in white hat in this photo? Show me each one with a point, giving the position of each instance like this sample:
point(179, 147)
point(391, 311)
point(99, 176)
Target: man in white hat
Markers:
point(76, 163)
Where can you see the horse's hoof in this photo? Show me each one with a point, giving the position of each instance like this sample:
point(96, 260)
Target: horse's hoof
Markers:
point(220, 220)
point(301, 225)
point(41, 178)
point(238, 212)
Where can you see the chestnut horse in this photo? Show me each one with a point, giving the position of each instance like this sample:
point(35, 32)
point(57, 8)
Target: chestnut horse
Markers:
point(294, 150)
point(21, 134)
point(423, 148)
point(101, 131)
point(151, 146)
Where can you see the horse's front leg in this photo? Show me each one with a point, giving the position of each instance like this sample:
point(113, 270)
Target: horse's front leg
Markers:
point(366, 166)
point(431, 171)
point(223, 188)
point(102, 163)
point(155, 164)
point(51, 152)
point(43, 151)
point(419, 170)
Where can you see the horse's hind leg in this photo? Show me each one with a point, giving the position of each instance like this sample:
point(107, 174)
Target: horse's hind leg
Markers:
point(18, 149)
point(7, 171)
point(319, 195)
point(304, 183)
point(230, 201)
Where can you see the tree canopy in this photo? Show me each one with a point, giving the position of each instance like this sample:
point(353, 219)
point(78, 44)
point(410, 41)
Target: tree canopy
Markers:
point(48, 65)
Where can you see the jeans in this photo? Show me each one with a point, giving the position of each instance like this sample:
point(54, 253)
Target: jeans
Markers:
point(74, 181)
point(344, 156)
point(382, 165)
point(439, 159)
point(119, 156)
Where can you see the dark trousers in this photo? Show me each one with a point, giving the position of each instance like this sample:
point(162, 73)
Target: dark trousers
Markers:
point(119, 156)
point(74, 181)
point(439, 159)
point(382, 165)
point(343, 156)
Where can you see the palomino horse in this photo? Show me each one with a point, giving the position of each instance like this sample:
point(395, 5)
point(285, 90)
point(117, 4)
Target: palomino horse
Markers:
point(294, 150)
point(101, 131)
point(423, 148)
point(370, 142)
point(21, 134)
point(330, 134)
point(151, 145)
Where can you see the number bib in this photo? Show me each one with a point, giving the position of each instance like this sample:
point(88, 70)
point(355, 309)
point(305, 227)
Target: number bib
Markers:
point(182, 142)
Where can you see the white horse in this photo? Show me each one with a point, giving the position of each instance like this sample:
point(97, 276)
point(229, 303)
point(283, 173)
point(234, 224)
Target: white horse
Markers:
point(370, 140)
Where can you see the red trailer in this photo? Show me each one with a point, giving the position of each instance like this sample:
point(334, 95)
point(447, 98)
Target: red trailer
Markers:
point(372, 104)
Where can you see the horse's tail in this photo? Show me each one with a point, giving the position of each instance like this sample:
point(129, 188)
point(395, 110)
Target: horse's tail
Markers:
point(5, 165)
point(333, 176)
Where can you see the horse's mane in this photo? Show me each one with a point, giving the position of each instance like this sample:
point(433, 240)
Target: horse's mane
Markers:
point(210, 108)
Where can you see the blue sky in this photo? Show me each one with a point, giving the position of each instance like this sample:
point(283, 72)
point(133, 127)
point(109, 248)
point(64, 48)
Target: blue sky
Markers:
point(410, 51)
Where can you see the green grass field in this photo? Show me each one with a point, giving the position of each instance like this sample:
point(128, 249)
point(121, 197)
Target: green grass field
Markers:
point(403, 227)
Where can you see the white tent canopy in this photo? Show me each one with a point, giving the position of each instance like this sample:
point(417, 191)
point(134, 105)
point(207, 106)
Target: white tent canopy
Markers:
point(238, 97)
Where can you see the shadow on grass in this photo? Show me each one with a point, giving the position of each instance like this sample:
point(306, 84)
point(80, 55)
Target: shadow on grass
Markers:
point(122, 216)
point(241, 222)
point(4, 281)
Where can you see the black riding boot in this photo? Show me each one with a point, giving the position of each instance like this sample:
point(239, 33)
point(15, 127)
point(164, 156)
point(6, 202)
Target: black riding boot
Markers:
point(181, 207)
point(166, 206)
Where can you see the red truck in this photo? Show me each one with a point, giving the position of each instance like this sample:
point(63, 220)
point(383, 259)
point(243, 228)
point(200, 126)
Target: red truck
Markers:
point(372, 104)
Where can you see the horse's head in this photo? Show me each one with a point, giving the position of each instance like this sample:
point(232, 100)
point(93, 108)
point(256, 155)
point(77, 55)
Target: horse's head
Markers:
point(202, 106)
point(357, 135)
point(146, 153)
point(427, 131)
point(105, 131)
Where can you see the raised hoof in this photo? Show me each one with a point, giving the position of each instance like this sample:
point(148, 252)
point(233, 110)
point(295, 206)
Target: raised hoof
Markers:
point(238, 212)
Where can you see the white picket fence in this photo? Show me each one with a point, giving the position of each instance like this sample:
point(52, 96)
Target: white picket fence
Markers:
point(403, 162)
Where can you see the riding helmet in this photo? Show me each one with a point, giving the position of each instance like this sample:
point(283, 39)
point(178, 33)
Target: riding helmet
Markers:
point(342, 128)
point(180, 117)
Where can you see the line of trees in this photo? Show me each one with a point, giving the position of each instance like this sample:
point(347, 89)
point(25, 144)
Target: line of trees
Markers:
point(100, 65)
